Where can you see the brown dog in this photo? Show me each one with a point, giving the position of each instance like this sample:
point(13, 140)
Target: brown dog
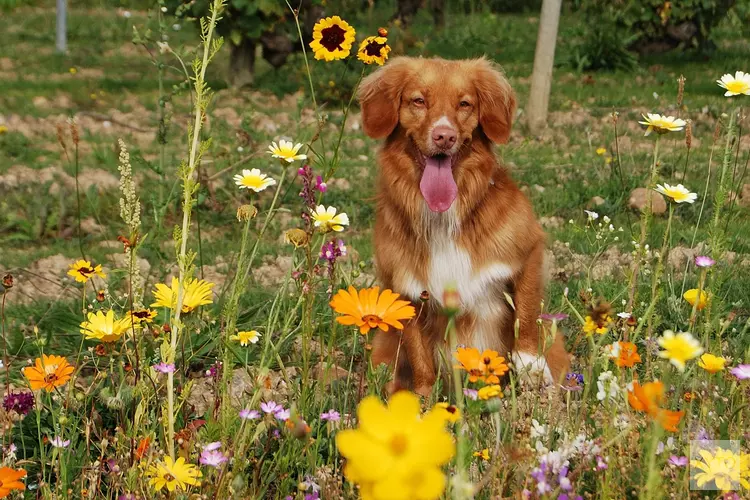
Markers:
point(449, 216)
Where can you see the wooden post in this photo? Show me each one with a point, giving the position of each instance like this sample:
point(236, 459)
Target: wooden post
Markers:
point(61, 39)
point(544, 59)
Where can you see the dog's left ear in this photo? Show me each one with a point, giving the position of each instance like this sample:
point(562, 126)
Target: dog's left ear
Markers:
point(497, 101)
point(380, 97)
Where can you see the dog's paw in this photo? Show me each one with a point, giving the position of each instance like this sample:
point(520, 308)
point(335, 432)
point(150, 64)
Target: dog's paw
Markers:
point(531, 368)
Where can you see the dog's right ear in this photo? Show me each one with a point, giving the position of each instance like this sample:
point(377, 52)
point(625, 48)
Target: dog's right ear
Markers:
point(380, 97)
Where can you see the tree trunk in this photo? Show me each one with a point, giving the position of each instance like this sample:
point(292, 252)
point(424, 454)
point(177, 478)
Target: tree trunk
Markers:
point(242, 63)
point(544, 59)
point(406, 10)
point(438, 12)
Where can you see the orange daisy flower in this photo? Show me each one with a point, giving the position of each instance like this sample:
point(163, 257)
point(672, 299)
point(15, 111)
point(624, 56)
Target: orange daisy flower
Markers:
point(48, 372)
point(625, 354)
point(488, 366)
point(371, 309)
point(647, 398)
point(10, 480)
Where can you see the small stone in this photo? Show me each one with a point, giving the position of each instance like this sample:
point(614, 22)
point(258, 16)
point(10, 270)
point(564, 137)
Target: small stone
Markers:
point(597, 201)
point(538, 188)
point(639, 200)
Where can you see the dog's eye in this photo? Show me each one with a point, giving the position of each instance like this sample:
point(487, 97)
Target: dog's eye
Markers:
point(465, 104)
point(418, 101)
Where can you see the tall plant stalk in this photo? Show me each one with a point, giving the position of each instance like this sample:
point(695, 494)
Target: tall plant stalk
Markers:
point(187, 171)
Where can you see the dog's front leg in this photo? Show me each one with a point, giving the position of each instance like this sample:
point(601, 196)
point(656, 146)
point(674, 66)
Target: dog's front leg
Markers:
point(420, 352)
point(530, 355)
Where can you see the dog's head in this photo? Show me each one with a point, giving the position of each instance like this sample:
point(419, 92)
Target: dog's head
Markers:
point(440, 106)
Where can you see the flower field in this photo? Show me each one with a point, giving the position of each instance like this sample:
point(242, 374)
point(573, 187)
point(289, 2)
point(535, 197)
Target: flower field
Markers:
point(189, 295)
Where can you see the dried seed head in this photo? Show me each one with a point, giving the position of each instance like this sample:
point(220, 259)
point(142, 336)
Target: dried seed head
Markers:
point(382, 32)
point(297, 237)
point(74, 132)
point(680, 90)
point(717, 130)
point(689, 133)
point(61, 136)
point(8, 281)
point(246, 212)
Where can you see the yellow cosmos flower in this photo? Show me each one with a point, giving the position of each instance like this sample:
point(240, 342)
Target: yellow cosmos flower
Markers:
point(326, 219)
point(141, 316)
point(286, 151)
point(483, 454)
point(173, 474)
point(691, 296)
point(253, 179)
point(711, 363)
point(449, 412)
point(332, 39)
point(662, 124)
point(735, 85)
point(104, 327)
point(370, 309)
point(679, 348)
point(82, 271)
point(678, 193)
point(373, 49)
point(196, 293)
point(724, 468)
point(395, 453)
point(244, 338)
point(490, 391)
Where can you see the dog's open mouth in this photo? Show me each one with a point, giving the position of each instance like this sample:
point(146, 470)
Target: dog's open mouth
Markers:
point(437, 185)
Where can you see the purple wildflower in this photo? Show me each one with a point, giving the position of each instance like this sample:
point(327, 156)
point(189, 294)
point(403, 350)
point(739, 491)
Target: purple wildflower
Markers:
point(282, 414)
point(270, 407)
point(320, 185)
point(112, 466)
point(58, 442)
point(573, 382)
point(128, 496)
point(331, 416)
point(212, 446)
point(310, 484)
point(704, 261)
point(212, 458)
point(553, 316)
point(601, 463)
point(742, 372)
point(164, 367)
point(312, 496)
point(676, 461)
point(249, 414)
point(702, 435)
point(472, 394)
point(21, 402)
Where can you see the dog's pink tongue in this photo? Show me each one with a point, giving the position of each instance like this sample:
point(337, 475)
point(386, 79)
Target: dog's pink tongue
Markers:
point(437, 185)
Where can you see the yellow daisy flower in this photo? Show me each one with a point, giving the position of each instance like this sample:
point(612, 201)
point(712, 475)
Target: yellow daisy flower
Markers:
point(449, 412)
point(196, 293)
point(104, 327)
point(82, 271)
point(735, 85)
point(711, 363)
point(244, 338)
point(325, 219)
point(373, 49)
point(600, 151)
point(395, 452)
point(253, 179)
point(286, 151)
point(679, 348)
point(662, 124)
point(724, 468)
point(173, 474)
point(691, 296)
point(332, 39)
point(3, 129)
point(590, 326)
point(678, 193)
point(490, 391)
point(140, 316)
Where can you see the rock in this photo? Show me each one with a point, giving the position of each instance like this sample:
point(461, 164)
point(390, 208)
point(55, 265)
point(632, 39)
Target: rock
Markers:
point(745, 196)
point(89, 225)
point(551, 222)
point(326, 374)
point(273, 272)
point(340, 184)
point(357, 143)
point(538, 188)
point(120, 261)
point(597, 201)
point(639, 200)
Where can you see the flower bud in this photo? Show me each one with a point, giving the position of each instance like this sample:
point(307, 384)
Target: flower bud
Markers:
point(451, 300)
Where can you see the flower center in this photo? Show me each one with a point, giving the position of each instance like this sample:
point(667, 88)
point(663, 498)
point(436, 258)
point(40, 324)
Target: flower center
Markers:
point(399, 444)
point(373, 48)
point(372, 320)
point(50, 378)
point(85, 270)
point(141, 314)
point(169, 477)
point(738, 87)
point(333, 37)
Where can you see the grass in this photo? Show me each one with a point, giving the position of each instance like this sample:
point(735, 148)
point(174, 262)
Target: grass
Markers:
point(110, 86)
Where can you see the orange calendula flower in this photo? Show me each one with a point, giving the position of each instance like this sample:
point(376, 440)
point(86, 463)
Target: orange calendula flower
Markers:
point(82, 271)
point(625, 354)
point(647, 398)
point(488, 366)
point(48, 372)
point(10, 480)
point(370, 309)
